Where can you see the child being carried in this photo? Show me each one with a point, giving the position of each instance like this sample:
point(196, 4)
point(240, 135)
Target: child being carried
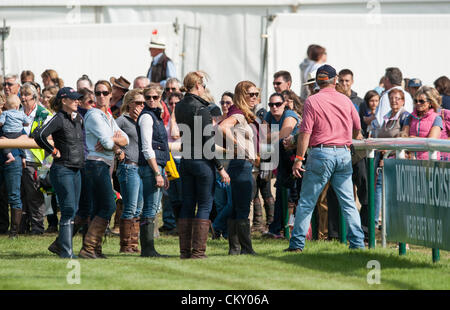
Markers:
point(12, 122)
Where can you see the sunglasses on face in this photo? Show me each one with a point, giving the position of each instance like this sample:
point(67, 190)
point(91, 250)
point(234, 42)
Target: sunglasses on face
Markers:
point(421, 101)
point(277, 83)
point(277, 104)
point(251, 95)
point(225, 102)
point(104, 93)
point(139, 102)
point(151, 97)
point(168, 89)
point(8, 84)
point(90, 102)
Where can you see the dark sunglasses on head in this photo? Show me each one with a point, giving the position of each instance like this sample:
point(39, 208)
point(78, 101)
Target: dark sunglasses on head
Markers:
point(421, 101)
point(8, 84)
point(171, 89)
point(253, 94)
point(104, 93)
point(139, 102)
point(277, 83)
point(225, 102)
point(151, 97)
point(278, 104)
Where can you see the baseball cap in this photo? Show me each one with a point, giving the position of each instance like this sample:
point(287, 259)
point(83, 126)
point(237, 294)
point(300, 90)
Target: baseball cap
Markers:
point(325, 73)
point(68, 92)
point(414, 83)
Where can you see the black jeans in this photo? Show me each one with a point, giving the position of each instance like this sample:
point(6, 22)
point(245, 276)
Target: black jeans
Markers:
point(33, 204)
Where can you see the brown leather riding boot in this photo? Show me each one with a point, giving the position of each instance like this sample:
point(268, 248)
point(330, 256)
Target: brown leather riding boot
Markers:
point(184, 227)
point(93, 239)
point(135, 235)
point(200, 229)
point(16, 217)
point(126, 226)
point(269, 206)
point(258, 224)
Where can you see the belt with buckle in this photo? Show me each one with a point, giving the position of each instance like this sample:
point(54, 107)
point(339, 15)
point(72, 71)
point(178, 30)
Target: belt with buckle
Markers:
point(129, 162)
point(330, 146)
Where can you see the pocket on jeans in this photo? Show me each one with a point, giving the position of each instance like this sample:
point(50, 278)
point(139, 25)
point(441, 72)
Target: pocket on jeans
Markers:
point(315, 165)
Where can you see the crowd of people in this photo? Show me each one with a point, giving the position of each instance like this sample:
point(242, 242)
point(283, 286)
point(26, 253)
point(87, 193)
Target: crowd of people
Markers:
point(108, 148)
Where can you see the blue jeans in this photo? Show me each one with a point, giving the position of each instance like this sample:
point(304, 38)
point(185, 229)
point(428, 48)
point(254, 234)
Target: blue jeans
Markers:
point(131, 190)
point(173, 201)
point(324, 164)
point(85, 204)
point(222, 200)
point(197, 181)
point(11, 174)
point(99, 189)
point(152, 195)
point(240, 172)
point(67, 185)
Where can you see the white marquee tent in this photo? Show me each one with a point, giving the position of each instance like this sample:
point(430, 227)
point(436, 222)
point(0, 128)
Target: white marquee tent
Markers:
point(104, 38)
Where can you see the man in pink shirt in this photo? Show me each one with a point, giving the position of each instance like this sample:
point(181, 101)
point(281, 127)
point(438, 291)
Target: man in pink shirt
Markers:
point(329, 121)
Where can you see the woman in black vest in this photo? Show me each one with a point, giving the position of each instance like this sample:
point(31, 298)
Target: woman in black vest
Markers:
point(66, 128)
point(153, 157)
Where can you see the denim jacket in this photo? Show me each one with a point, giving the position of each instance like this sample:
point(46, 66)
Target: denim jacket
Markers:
point(99, 128)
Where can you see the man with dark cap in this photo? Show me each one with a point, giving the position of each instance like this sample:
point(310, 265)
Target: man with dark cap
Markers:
point(329, 121)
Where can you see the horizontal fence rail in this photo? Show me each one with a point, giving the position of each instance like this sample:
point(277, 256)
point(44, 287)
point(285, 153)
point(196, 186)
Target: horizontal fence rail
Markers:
point(408, 144)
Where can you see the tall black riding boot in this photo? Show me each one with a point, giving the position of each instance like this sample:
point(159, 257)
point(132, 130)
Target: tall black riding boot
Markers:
point(147, 228)
point(244, 235)
point(233, 238)
point(65, 239)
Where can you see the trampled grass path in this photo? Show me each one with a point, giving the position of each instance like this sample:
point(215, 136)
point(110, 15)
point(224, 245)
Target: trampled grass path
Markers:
point(26, 264)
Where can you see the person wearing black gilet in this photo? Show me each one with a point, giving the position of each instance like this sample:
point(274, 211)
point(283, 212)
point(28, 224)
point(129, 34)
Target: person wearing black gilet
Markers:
point(153, 157)
point(196, 171)
point(66, 128)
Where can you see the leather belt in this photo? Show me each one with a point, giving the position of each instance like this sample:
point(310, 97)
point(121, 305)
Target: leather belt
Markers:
point(330, 146)
point(129, 162)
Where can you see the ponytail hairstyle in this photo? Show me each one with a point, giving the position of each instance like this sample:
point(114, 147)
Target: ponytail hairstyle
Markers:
point(192, 79)
point(240, 101)
point(55, 104)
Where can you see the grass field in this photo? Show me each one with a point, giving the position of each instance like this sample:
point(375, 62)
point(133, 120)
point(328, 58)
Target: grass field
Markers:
point(27, 264)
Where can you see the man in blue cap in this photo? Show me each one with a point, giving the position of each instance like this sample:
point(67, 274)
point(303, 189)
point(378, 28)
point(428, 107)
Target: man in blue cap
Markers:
point(413, 86)
point(330, 120)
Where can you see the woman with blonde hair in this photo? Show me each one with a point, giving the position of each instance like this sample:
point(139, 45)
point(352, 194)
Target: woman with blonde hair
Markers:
point(47, 94)
point(424, 121)
point(50, 78)
point(197, 169)
point(128, 172)
point(242, 142)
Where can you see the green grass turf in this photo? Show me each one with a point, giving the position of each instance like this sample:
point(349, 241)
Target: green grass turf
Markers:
point(27, 264)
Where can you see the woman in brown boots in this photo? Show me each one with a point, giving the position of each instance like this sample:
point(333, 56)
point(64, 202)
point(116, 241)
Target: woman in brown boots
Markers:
point(197, 172)
point(103, 139)
point(128, 174)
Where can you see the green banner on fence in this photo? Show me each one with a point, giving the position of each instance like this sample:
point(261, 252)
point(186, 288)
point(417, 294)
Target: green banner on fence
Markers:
point(417, 194)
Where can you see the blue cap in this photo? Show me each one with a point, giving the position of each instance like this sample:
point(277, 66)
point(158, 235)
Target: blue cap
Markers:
point(68, 92)
point(414, 83)
point(325, 73)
